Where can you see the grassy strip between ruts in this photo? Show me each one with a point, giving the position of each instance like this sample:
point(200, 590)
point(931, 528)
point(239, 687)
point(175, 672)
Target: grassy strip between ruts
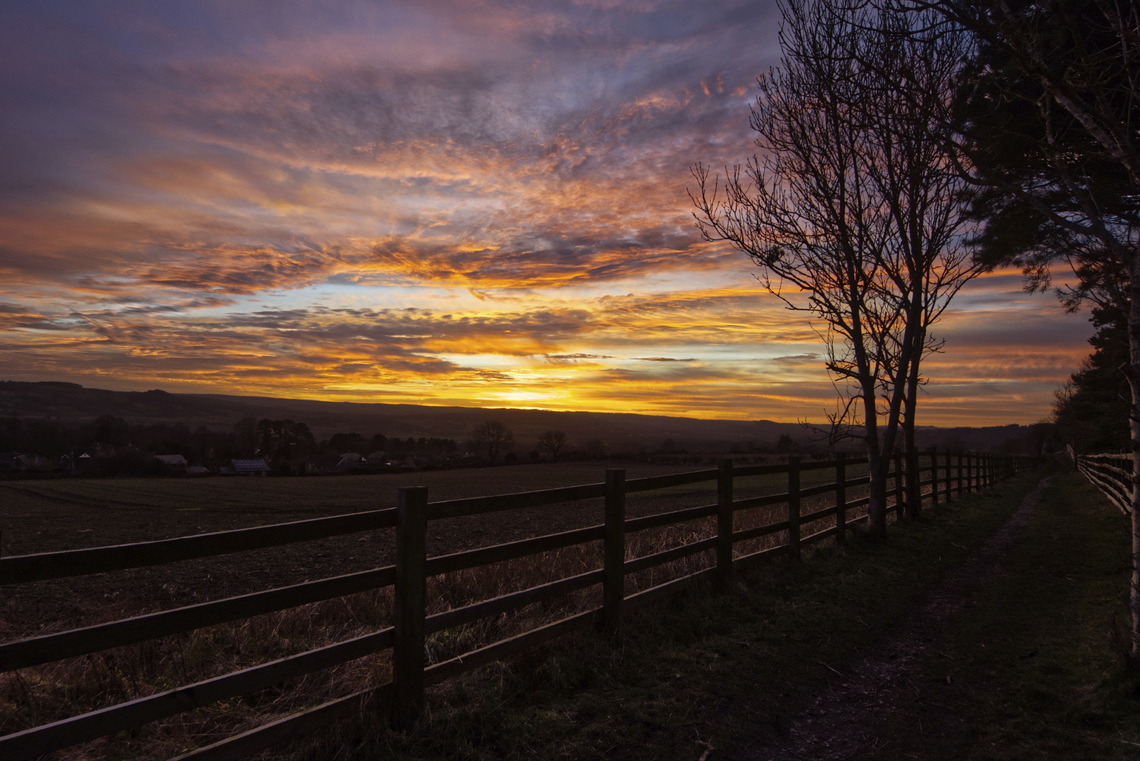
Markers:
point(705, 676)
point(1034, 669)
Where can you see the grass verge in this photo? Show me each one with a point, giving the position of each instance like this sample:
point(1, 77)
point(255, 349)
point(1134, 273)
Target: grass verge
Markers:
point(1034, 669)
point(705, 676)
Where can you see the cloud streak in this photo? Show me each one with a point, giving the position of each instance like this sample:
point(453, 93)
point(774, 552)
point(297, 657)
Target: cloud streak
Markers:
point(439, 202)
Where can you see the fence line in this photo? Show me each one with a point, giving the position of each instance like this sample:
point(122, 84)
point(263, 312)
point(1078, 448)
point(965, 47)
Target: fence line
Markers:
point(957, 473)
point(1111, 473)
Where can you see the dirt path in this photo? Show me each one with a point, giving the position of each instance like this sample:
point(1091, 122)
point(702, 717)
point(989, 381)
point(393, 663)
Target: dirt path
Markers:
point(843, 722)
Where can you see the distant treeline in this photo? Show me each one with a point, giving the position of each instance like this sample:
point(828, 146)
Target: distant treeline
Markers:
point(110, 445)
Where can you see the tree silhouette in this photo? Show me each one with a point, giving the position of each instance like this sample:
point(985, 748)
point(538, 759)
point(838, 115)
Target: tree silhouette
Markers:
point(551, 443)
point(1091, 409)
point(1050, 117)
point(493, 437)
point(852, 208)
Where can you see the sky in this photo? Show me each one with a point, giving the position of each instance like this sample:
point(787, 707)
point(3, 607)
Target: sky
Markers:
point(435, 202)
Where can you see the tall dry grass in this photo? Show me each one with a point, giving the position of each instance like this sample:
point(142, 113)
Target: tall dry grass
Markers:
point(35, 696)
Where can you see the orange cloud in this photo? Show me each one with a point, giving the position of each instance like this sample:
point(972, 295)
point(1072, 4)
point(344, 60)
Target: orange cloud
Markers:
point(435, 202)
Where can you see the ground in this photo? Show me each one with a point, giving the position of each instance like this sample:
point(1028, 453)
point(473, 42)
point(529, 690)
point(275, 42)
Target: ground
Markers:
point(49, 515)
point(846, 720)
point(988, 629)
point(984, 630)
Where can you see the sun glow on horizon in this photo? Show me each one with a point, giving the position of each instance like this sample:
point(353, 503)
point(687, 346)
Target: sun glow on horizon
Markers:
point(427, 205)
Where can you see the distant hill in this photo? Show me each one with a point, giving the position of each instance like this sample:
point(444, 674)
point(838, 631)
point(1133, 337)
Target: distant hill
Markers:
point(72, 403)
point(69, 403)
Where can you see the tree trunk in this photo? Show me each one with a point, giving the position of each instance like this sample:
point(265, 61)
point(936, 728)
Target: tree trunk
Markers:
point(913, 479)
point(877, 497)
point(1133, 373)
point(877, 502)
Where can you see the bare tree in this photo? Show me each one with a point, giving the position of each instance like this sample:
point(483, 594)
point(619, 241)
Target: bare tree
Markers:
point(917, 57)
point(493, 437)
point(551, 443)
point(851, 209)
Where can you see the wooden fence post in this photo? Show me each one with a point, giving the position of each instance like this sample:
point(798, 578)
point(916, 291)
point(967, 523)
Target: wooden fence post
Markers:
point(934, 476)
point(961, 484)
point(724, 568)
point(411, 603)
point(840, 497)
point(949, 478)
point(613, 554)
point(899, 512)
point(916, 481)
point(794, 506)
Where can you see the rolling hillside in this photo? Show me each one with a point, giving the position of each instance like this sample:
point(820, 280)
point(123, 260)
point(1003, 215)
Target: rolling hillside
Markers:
point(69, 403)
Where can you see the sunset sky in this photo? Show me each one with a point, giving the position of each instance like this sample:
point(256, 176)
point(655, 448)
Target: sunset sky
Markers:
point(438, 202)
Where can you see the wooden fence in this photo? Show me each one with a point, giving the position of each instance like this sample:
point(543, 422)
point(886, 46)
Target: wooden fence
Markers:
point(942, 475)
point(1112, 474)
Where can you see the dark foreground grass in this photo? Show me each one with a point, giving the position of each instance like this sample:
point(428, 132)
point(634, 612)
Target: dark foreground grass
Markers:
point(1035, 670)
point(704, 676)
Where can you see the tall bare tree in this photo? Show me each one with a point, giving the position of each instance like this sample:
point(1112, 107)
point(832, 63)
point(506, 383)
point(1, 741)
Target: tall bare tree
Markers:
point(917, 58)
point(852, 207)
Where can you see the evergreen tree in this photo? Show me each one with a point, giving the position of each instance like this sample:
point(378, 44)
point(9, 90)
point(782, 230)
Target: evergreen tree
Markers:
point(1091, 410)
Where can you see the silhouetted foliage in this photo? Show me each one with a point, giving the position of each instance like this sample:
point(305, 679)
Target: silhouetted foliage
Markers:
point(284, 440)
point(1091, 409)
point(494, 438)
point(1050, 113)
point(595, 449)
point(245, 436)
point(551, 443)
point(347, 442)
point(785, 445)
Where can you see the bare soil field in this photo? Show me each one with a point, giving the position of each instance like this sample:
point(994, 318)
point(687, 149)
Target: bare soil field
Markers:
point(51, 515)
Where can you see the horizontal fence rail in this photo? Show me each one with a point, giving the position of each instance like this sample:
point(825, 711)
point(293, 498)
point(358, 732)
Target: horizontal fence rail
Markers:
point(68, 563)
point(941, 476)
point(1111, 474)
